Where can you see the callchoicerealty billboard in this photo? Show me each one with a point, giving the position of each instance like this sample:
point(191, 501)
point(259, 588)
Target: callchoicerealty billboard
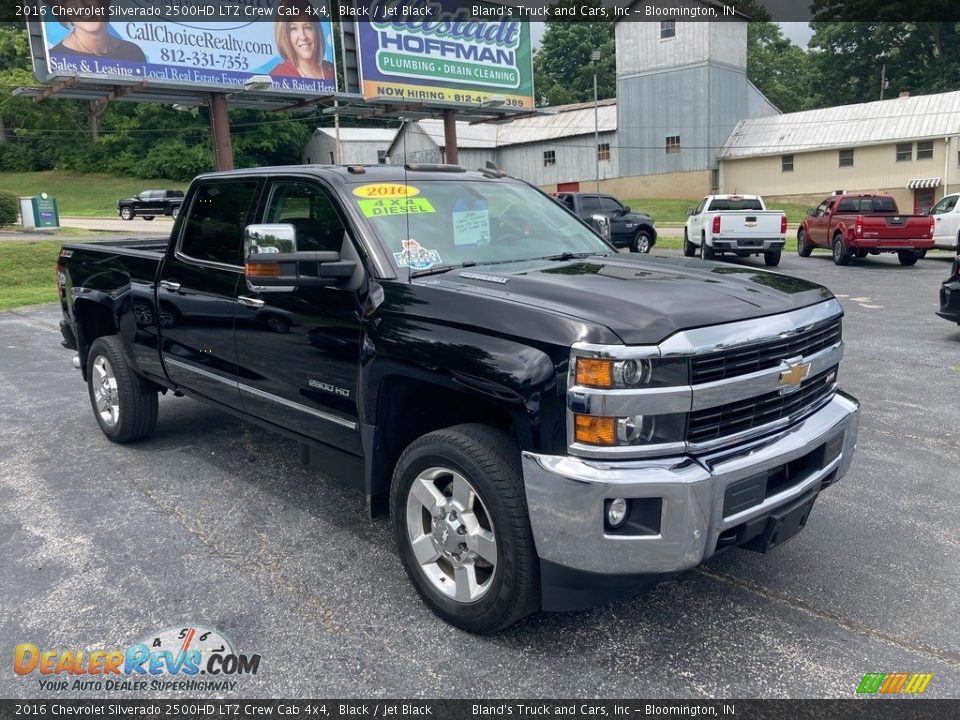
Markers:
point(436, 51)
point(294, 48)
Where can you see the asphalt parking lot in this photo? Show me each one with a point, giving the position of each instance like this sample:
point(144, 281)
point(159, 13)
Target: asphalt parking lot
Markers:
point(215, 522)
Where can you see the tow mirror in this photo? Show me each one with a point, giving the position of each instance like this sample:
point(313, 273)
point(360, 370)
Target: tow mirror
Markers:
point(272, 260)
point(625, 210)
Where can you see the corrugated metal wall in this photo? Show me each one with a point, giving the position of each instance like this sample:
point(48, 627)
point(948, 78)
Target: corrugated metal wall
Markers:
point(575, 160)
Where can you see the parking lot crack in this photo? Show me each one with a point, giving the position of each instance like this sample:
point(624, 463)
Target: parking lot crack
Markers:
point(854, 626)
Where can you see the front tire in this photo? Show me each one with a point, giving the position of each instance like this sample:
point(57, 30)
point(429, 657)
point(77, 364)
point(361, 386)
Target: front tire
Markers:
point(641, 242)
point(461, 524)
point(689, 249)
point(907, 257)
point(841, 256)
point(804, 249)
point(772, 257)
point(125, 409)
point(126, 212)
point(174, 212)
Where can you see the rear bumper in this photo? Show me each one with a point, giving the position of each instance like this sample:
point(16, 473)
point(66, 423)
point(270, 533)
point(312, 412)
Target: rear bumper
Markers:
point(890, 245)
point(950, 301)
point(701, 504)
point(748, 244)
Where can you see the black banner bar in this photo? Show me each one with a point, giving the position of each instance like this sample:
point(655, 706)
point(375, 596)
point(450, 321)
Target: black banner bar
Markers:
point(887, 708)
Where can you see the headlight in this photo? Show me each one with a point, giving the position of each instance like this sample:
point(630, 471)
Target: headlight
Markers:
point(629, 430)
point(631, 373)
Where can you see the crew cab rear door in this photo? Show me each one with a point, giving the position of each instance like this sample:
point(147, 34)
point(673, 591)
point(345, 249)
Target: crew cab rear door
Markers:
point(197, 289)
point(299, 348)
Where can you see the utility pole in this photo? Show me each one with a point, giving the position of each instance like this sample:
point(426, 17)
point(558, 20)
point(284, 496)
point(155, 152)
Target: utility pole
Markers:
point(595, 57)
point(883, 79)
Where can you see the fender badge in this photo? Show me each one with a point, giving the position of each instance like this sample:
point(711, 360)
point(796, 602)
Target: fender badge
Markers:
point(792, 373)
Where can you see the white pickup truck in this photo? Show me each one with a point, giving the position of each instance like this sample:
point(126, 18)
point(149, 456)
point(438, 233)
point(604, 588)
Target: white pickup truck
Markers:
point(738, 224)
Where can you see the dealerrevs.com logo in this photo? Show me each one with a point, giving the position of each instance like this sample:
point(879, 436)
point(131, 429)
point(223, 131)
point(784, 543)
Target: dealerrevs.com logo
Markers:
point(187, 658)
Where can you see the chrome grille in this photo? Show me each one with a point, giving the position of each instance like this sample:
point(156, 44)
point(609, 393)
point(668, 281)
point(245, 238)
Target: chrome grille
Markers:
point(744, 415)
point(765, 354)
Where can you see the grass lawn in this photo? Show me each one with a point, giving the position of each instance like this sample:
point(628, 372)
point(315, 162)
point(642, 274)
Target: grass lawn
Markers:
point(82, 194)
point(27, 272)
point(675, 211)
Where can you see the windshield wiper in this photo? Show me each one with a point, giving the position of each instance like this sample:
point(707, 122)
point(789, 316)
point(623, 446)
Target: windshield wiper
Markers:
point(437, 269)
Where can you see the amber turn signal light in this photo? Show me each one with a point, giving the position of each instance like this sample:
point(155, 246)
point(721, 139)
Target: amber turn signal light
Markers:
point(594, 372)
point(594, 430)
point(262, 269)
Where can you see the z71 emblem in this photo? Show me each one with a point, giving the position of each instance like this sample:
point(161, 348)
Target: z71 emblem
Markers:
point(792, 373)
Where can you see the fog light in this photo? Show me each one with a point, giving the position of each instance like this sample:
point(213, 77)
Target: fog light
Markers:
point(616, 512)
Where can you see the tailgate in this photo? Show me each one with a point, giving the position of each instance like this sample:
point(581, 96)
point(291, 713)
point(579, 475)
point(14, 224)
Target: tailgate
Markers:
point(750, 223)
point(896, 227)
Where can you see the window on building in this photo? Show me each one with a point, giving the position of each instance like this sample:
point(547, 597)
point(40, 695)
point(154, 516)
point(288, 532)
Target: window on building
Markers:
point(904, 152)
point(603, 151)
point(549, 158)
point(668, 29)
point(672, 144)
point(925, 150)
point(846, 158)
point(382, 157)
point(786, 163)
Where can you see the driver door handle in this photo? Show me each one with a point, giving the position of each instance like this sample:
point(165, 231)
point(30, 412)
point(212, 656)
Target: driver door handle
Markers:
point(250, 302)
point(170, 285)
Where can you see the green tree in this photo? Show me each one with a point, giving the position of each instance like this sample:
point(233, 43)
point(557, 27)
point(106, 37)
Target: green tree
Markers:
point(562, 69)
point(779, 69)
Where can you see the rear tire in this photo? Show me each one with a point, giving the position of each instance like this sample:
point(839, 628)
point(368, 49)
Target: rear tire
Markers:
point(148, 217)
point(907, 257)
point(465, 482)
point(689, 249)
point(772, 257)
point(862, 253)
point(125, 408)
point(706, 252)
point(841, 256)
point(174, 212)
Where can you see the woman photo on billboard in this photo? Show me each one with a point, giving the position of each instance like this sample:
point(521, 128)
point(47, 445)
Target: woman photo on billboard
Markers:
point(89, 24)
point(301, 43)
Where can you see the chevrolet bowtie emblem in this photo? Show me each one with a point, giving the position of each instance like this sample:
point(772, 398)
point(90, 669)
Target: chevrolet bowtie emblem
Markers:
point(792, 373)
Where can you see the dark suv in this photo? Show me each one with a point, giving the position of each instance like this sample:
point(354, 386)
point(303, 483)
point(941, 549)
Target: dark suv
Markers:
point(150, 203)
point(627, 228)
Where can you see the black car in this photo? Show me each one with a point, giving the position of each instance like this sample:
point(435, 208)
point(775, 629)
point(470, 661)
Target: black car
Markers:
point(150, 203)
point(950, 294)
point(627, 228)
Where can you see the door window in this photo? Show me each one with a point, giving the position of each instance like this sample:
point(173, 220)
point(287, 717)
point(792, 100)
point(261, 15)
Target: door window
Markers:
point(220, 211)
point(590, 203)
point(608, 204)
point(944, 206)
point(309, 209)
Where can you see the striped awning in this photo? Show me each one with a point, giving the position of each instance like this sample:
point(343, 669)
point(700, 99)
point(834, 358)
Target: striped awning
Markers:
point(921, 183)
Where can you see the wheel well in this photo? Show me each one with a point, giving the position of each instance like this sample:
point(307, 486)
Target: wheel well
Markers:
point(412, 408)
point(93, 320)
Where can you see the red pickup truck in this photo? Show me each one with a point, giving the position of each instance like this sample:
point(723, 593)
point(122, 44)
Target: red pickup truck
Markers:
point(862, 224)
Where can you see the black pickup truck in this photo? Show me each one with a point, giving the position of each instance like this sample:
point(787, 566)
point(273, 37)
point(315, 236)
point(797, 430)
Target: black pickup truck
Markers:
point(627, 228)
point(550, 423)
point(150, 203)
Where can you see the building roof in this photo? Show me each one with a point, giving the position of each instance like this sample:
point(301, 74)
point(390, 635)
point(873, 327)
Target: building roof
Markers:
point(352, 134)
point(567, 121)
point(883, 121)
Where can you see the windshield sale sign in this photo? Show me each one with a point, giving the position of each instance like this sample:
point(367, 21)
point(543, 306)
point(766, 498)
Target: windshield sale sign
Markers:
point(444, 52)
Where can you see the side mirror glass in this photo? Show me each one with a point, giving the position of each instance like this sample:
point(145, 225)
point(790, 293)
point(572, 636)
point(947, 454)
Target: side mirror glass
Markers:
point(625, 209)
point(276, 238)
point(690, 212)
point(811, 212)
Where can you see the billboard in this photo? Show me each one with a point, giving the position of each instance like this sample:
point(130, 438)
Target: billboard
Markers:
point(293, 45)
point(450, 57)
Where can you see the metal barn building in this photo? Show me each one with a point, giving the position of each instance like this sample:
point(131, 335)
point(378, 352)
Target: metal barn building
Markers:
point(907, 146)
point(358, 146)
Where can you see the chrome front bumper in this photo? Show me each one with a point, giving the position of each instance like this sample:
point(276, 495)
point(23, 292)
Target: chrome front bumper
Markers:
point(565, 496)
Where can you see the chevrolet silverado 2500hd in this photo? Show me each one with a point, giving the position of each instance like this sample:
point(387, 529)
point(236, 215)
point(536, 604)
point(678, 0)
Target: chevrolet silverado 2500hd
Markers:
point(447, 339)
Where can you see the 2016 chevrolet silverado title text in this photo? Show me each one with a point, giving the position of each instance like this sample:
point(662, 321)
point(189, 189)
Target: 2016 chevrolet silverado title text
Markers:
point(549, 423)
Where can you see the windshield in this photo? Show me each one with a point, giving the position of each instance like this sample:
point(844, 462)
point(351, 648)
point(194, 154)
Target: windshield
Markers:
point(455, 222)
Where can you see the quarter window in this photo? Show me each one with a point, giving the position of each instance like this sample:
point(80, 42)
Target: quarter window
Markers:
point(218, 215)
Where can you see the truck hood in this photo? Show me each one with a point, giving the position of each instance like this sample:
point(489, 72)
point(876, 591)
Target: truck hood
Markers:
point(643, 300)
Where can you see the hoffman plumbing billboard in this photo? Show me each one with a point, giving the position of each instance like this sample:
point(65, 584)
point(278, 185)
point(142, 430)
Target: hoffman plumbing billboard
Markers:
point(211, 45)
point(443, 51)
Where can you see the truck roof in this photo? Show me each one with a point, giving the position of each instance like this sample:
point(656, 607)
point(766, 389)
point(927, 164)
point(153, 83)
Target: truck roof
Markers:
point(360, 174)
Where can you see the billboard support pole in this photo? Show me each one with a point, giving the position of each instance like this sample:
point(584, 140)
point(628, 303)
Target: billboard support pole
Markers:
point(220, 127)
point(450, 136)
